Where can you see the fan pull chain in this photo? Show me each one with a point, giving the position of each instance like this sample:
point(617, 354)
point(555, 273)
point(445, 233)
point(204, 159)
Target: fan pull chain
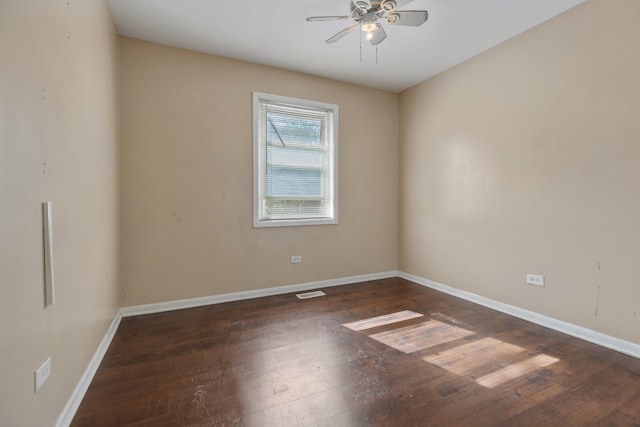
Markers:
point(360, 32)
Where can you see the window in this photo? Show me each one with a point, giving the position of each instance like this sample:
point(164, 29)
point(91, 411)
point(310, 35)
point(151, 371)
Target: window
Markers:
point(294, 161)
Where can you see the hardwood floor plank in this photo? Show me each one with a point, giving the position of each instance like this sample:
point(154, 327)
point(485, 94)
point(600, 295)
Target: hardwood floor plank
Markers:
point(282, 361)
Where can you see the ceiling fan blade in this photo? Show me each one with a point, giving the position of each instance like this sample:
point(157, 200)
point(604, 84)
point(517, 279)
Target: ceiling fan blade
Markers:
point(341, 34)
point(378, 36)
point(327, 18)
point(412, 18)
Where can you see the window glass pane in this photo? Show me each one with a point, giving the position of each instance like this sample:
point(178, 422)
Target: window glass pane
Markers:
point(293, 130)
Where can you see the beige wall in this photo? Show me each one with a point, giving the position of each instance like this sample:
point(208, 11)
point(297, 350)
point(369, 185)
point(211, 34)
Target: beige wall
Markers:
point(187, 179)
point(526, 159)
point(523, 159)
point(58, 142)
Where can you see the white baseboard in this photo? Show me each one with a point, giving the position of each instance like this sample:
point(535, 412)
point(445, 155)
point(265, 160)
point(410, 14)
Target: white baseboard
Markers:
point(613, 343)
point(239, 296)
point(70, 409)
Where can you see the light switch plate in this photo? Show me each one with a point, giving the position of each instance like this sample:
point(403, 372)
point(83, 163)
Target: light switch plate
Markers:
point(42, 373)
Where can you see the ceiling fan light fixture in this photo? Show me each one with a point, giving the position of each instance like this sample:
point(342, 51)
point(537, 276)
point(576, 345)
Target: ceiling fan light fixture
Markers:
point(369, 27)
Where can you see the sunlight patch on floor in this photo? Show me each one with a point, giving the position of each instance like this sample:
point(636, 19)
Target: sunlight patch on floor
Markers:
point(421, 336)
point(467, 358)
point(490, 362)
point(516, 370)
point(387, 319)
point(473, 358)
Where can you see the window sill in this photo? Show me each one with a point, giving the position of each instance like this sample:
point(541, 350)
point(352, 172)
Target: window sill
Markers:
point(293, 222)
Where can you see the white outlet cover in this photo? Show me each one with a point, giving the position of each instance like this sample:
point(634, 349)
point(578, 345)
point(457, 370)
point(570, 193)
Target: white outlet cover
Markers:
point(535, 279)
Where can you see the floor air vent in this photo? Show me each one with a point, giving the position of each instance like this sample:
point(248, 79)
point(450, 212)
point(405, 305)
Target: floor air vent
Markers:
point(311, 294)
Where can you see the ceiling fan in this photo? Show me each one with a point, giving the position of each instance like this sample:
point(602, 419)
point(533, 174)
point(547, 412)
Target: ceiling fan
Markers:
point(365, 14)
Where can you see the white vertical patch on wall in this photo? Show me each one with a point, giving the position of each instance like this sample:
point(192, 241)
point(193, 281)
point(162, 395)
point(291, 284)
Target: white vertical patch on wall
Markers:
point(48, 253)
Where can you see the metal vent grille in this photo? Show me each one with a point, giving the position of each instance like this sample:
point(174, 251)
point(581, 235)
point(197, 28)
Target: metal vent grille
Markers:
point(310, 294)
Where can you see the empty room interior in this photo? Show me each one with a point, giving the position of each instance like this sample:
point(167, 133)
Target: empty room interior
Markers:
point(467, 252)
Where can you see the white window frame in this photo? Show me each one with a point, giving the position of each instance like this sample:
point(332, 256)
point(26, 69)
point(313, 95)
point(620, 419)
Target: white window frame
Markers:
point(259, 163)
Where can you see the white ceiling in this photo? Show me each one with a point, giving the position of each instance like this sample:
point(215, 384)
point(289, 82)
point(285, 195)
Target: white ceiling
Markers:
point(276, 33)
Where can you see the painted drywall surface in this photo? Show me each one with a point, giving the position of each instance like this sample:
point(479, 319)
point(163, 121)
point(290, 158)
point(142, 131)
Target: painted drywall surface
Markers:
point(187, 179)
point(58, 143)
point(525, 160)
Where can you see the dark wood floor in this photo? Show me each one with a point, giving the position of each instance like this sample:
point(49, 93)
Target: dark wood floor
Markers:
point(281, 361)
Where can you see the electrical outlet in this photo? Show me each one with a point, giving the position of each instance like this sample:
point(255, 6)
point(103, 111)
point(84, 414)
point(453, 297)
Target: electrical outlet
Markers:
point(42, 373)
point(296, 259)
point(535, 279)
